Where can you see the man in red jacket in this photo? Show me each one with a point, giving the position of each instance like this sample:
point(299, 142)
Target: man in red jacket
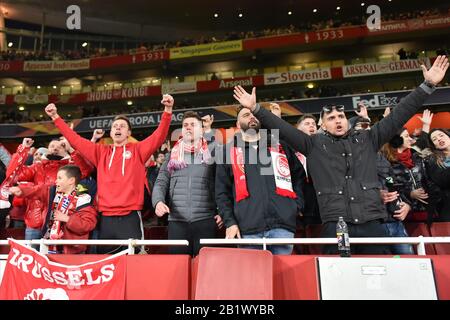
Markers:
point(40, 173)
point(120, 172)
point(70, 215)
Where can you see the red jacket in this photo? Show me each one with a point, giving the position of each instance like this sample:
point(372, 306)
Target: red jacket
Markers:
point(121, 174)
point(82, 219)
point(45, 173)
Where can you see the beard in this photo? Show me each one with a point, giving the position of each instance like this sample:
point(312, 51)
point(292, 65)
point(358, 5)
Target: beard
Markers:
point(253, 125)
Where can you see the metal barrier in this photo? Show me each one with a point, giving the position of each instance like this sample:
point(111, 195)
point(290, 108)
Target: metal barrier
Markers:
point(130, 243)
point(418, 241)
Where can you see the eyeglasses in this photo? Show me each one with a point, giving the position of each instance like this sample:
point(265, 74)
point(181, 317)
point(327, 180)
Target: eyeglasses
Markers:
point(330, 107)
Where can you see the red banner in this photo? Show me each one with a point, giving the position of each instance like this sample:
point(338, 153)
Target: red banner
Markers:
point(143, 57)
point(346, 33)
point(31, 276)
point(11, 66)
point(107, 95)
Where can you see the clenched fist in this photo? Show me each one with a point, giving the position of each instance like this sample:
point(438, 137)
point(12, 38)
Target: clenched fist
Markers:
point(98, 134)
point(27, 142)
point(168, 102)
point(52, 111)
point(161, 209)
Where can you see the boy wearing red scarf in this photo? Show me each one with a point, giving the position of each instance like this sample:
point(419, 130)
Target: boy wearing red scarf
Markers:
point(70, 214)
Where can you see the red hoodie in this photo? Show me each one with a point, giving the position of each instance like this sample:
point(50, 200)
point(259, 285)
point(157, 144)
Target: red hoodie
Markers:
point(120, 179)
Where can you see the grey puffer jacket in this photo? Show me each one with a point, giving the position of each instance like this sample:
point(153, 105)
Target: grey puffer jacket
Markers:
point(190, 190)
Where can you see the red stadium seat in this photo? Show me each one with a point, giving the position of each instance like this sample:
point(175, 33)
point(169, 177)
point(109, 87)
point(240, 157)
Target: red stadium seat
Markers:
point(441, 229)
point(234, 274)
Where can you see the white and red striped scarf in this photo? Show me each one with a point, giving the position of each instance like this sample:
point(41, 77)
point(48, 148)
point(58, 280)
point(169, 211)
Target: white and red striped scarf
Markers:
point(177, 162)
point(281, 170)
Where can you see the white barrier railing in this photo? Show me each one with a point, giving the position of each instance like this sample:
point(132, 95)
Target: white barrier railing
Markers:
point(130, 243)
point(418, 241)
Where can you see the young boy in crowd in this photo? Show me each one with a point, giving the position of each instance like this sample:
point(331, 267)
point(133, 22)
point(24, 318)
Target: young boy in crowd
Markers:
point(70, 215)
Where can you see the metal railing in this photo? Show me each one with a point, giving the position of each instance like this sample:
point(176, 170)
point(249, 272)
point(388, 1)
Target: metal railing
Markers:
point(130, 243)
point(418, 241)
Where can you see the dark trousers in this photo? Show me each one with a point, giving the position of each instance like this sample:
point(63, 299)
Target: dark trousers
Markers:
point(119, 228)
point(192, 232)
point(370, 229)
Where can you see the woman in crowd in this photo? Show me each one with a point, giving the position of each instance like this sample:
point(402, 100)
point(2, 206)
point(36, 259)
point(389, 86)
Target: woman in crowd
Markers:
point(438, 170)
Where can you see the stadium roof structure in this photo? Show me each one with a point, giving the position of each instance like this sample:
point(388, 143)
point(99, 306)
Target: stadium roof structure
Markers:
point(174, 19)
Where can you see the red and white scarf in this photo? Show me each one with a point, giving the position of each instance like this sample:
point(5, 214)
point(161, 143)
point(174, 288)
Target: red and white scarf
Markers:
point(63, 203)
point(177, 162)
point(281, 170)
point(12, 172)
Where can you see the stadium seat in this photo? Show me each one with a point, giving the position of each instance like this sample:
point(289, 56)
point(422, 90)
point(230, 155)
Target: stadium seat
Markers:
point(441, 229)
point(234, 274)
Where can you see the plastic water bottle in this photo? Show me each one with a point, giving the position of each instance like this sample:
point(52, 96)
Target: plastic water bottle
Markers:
point(342, 237)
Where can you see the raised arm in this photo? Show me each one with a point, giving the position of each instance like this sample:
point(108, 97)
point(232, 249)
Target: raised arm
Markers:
point(84, 146)
point(148, 146)
point(384, 130)
point(295, 138)
point(5, 156)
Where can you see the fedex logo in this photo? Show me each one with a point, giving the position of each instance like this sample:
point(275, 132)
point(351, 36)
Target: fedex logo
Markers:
point(378, 100)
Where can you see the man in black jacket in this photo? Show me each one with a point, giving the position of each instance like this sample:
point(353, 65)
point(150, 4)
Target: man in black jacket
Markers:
point(342, 162)
point(258, 188)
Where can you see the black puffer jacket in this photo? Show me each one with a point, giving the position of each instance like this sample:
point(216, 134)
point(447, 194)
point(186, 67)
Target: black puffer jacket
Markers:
point(385, 170)
point(343, 169)
point(411, 179)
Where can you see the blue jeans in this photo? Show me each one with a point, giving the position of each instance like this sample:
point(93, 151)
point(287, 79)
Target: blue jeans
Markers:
point(397, 229)
point(270, 234)
point(32, 234)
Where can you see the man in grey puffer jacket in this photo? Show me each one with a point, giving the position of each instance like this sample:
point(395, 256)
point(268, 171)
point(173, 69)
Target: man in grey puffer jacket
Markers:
point(187, 177)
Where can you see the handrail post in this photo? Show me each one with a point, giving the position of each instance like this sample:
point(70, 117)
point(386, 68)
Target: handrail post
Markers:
point(264, 244)
point(131, 244)
point(421, 247)
point(43, 248)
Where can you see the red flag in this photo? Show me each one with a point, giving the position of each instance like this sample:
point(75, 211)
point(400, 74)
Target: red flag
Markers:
point(30, 275)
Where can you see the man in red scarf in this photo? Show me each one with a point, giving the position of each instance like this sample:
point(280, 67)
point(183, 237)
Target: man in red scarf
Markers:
point(258, 188)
